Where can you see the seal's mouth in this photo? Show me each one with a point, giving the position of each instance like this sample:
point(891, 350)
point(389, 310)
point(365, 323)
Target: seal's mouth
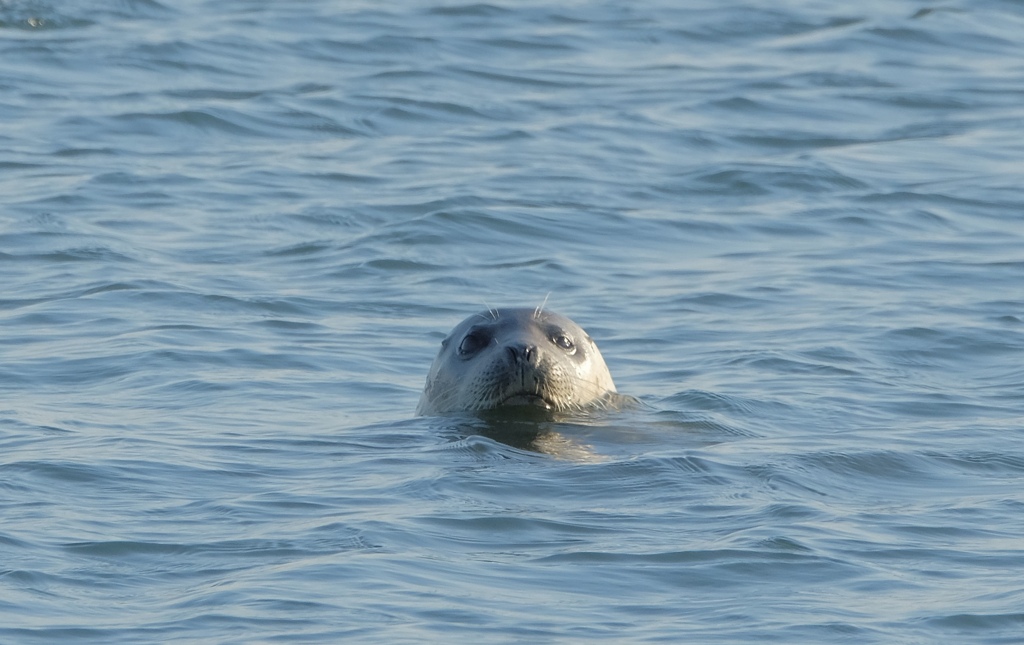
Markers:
point(528, 399)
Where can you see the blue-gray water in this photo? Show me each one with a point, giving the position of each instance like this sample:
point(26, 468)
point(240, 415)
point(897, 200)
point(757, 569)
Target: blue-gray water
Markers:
point(233, 233)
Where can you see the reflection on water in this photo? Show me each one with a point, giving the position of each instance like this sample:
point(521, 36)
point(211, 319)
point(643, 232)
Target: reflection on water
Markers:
point(538, 429)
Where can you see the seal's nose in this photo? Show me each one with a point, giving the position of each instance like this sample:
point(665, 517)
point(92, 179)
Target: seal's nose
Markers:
point(522, 352)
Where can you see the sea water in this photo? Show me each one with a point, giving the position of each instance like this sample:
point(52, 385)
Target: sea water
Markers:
point(233, 234)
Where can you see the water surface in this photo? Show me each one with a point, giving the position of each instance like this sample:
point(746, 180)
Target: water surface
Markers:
point(234, 233)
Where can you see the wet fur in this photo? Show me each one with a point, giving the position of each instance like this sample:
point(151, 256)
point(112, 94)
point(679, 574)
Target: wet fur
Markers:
point(501, 372)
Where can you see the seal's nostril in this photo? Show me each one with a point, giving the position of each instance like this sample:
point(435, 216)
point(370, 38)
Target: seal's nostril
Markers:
point(522, 352)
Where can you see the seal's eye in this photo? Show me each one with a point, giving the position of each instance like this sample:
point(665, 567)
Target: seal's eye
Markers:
point(472, 343)
point(564, 342)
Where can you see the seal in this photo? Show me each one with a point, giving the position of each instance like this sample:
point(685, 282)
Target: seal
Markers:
point(516, 357)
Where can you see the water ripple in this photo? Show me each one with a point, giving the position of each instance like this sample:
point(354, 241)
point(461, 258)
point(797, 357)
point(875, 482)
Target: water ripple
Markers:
point(236, 233)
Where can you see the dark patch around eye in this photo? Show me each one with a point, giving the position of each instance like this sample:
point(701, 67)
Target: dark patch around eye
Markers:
point(563, 341)
point(473, 342)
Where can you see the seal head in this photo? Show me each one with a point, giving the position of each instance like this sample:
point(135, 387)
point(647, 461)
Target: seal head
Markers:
point(515, 357)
